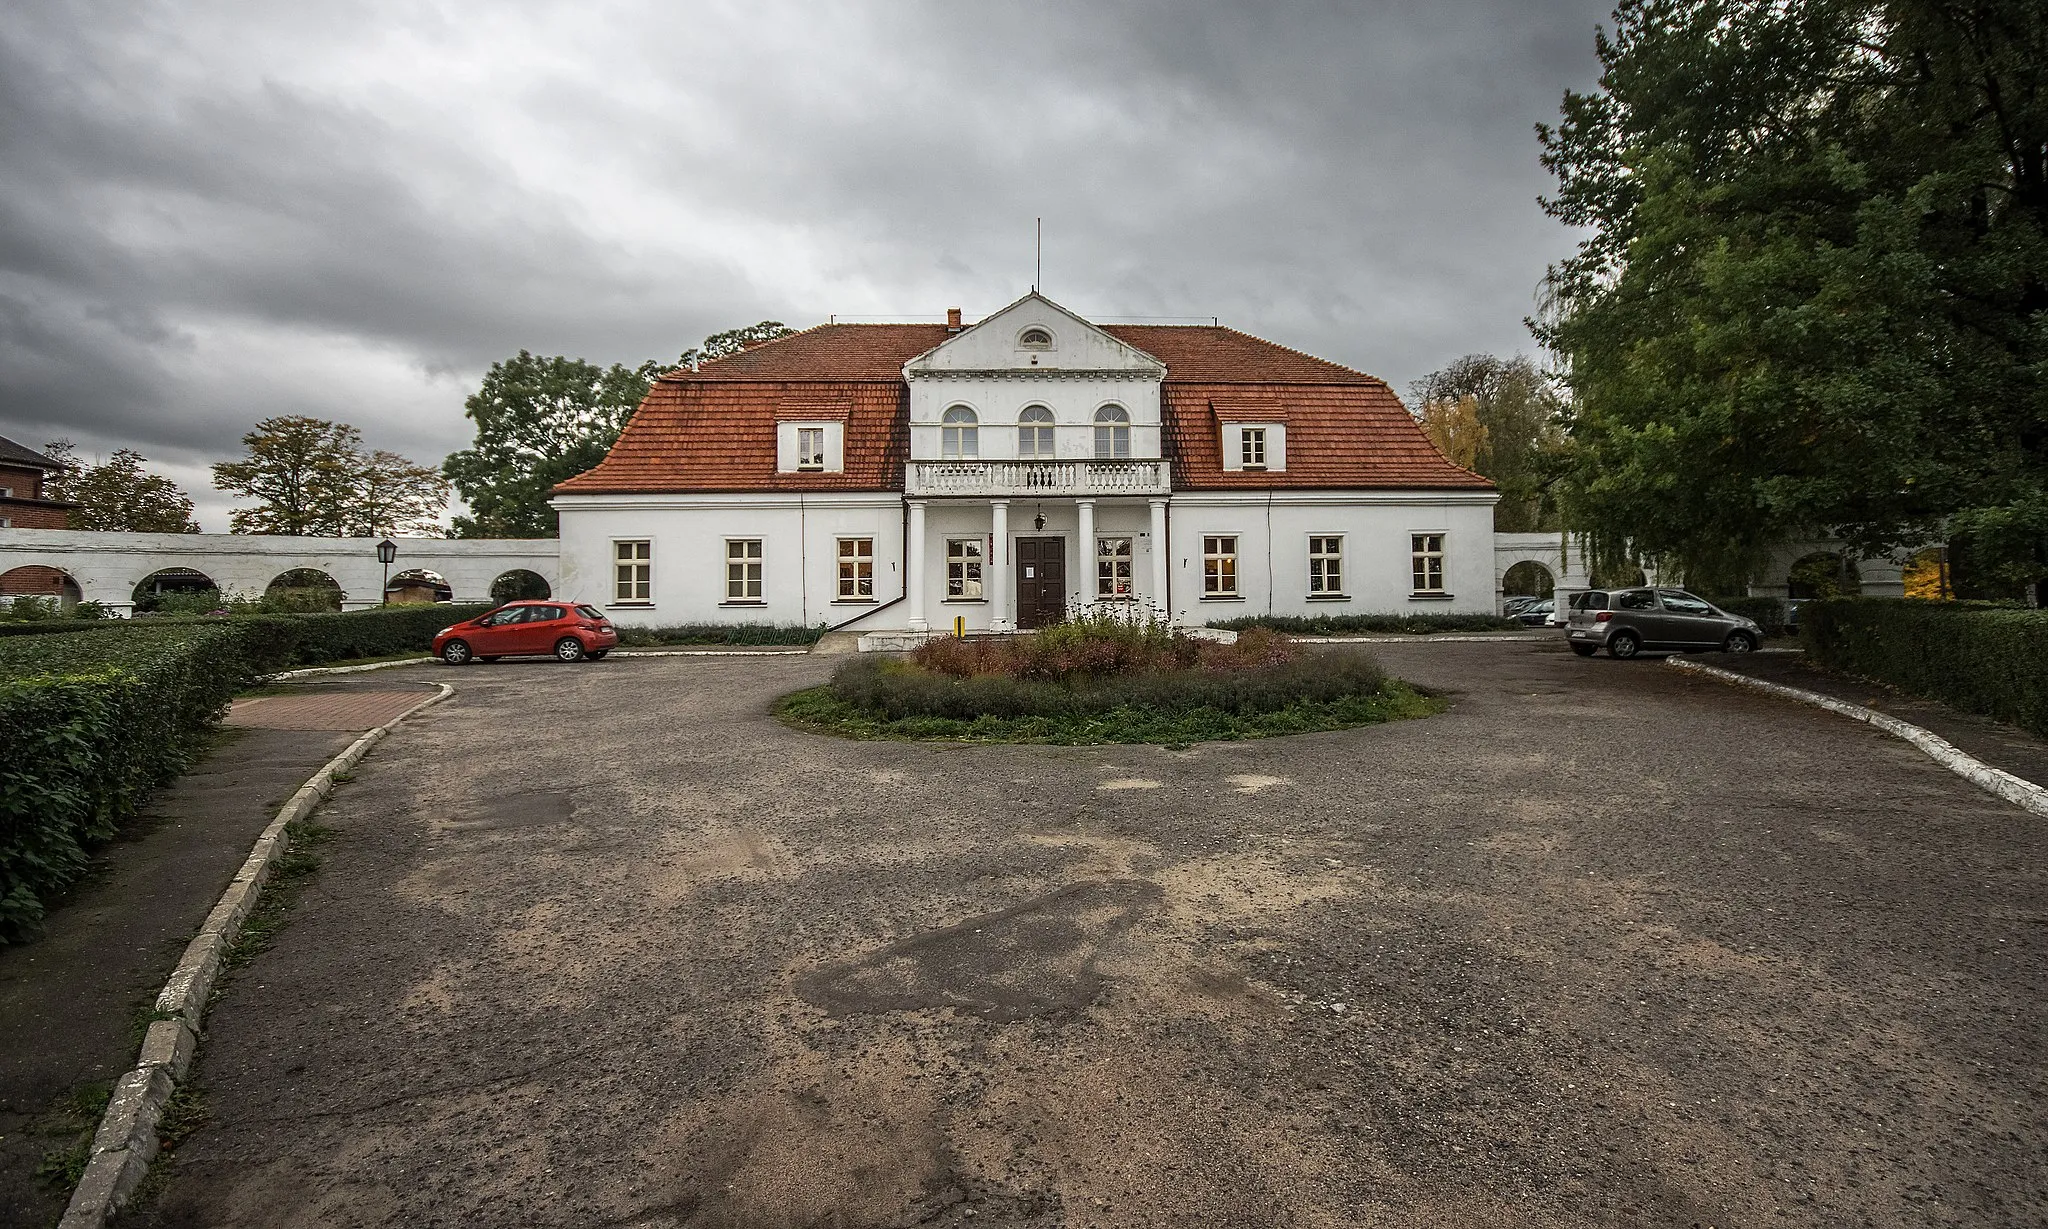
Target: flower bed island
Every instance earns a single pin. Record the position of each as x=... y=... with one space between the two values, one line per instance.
x=1105 y=681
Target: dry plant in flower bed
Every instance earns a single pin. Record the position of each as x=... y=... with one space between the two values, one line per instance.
x=1099 y=681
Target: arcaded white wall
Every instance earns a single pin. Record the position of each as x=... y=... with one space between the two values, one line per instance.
x=108 y=566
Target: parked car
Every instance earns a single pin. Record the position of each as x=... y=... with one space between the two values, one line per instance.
x=1627 y=621
x=565 y=630
x=1537 y=614
x=1516 y=605
x=1792 y=606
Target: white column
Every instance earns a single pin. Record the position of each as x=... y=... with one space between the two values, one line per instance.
x=1084 y=563
x=913 y=568
x=996 y=584
x=1159 y=569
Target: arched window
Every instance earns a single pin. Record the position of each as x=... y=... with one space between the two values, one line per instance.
x=1112 y=433
x=958 y=435
x=1034 y=434
x=1034 y=339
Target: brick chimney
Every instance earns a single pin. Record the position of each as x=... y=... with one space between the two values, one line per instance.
x=952 y=320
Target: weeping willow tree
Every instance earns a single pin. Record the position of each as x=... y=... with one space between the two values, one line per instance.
x=1810 y=296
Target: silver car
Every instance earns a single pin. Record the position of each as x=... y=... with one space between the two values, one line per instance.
x=1627 y=621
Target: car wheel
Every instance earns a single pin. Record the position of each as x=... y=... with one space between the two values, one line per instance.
x=1623 y=645
x=456 y=653
x=1584 y=650
x=1740 y=642
x=597 y=654
x=569 y=648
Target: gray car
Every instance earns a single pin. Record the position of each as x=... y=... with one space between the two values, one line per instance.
x=1627 y=621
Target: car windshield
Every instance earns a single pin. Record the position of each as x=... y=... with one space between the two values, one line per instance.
x=590 y=612
x=1683 y=603
x=1592 y=599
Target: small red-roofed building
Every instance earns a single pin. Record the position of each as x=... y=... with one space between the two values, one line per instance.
x=895 y=477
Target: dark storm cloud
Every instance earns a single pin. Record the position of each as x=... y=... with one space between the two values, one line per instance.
x=226 y=211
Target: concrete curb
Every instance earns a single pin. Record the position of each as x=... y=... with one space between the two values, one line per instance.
x=2019 y=791
x=310 y=671
x=1398 y=638
x=126 y=1140
x=710 y=653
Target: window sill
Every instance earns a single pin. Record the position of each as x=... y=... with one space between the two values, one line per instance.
x=1222 y=597
x=629 y=605
x=1431 y=597
x=744 y=601
x=1328 y=597
x=963 y=601
x=853 y=601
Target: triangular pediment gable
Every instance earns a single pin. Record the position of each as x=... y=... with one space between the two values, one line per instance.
x=1006 y=342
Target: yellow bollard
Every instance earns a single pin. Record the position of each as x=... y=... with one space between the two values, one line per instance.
x=959 y=627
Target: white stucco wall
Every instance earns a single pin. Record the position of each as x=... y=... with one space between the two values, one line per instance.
x=1273 y=535
x=688 y=533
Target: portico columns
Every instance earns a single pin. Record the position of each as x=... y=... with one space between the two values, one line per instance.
x=913 y=568
x=997 y=583
x=1084 y=553
x=1159 y=558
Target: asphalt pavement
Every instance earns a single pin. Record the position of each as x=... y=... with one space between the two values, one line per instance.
x=1603 y=944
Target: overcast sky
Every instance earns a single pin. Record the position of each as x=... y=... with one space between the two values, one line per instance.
x=215 y=212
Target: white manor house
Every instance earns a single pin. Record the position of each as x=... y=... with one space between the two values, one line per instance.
x=900 y=477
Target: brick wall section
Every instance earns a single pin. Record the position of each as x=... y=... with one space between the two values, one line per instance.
x=32 y=579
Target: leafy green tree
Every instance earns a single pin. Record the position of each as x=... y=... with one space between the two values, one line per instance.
x=312 y=477
x=538 y=421
x=542 y=420
x=1515 y=408
x=1811 y=293
x=118 y=494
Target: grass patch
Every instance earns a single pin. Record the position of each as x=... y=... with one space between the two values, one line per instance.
x=76 y=1115
x=288 y=880
x=818 y=710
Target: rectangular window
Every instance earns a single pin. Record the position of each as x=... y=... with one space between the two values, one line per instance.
x=1113 y=568
x=810 y=447
x=963 y=568
x=743 y=569
x=1219 y=566
x=856 y=569
x=633 y=576
x=1427 y=553
x=1325 y=565
x=1252 y=447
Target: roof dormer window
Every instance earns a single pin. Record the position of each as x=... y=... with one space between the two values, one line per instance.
x=1034 y=338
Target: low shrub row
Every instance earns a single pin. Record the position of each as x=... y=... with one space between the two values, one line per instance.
x=282 y=640
x=894 y=689
x=718 y=633
x=1985 y=659
x=1769 y=612
x=1348 y=625
x=88 y=724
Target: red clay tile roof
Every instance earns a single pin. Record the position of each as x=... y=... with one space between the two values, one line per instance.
x=714 y=429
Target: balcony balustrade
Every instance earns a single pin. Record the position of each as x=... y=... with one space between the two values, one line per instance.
x=1004 y=478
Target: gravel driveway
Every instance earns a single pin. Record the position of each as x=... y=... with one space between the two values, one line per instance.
x=1602 y=945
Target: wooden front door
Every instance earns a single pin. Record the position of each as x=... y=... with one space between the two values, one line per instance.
x=1041 y=581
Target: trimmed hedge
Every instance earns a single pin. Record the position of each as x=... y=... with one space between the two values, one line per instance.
x=295 y=639
x=1985 y=659
x=1769 y=612
x=1343 y=625
x=718 y=633
x=88 y=725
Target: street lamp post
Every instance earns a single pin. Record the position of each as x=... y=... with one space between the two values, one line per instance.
x=387 y=550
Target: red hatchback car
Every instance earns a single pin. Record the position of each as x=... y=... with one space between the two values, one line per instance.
x=565 y=630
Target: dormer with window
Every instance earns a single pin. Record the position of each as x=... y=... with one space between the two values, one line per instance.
x=811 y=440
x=1250 y=446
